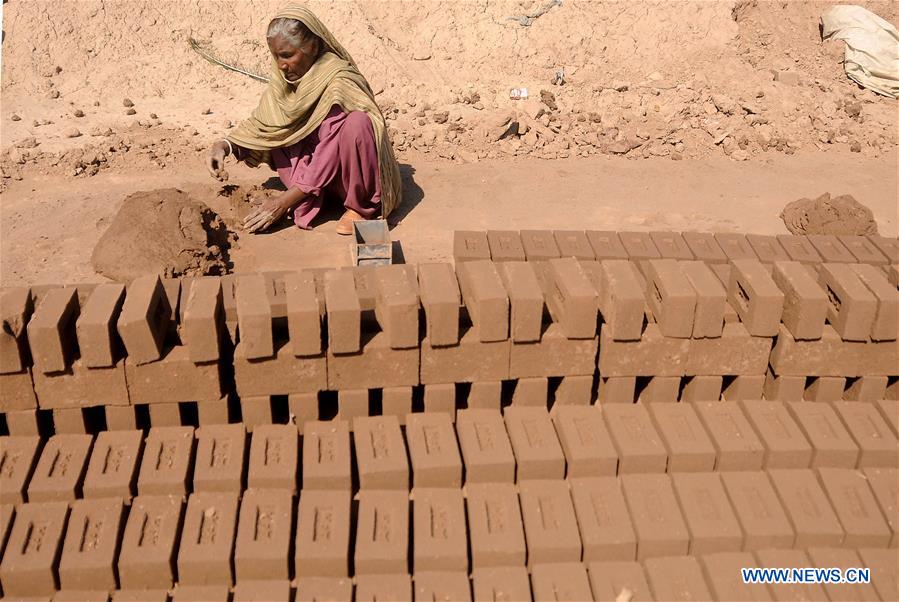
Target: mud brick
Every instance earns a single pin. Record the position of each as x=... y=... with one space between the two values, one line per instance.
x=705 y=247
x=96 y=326
x=382 y=536
x=832 y=446
x=735 y=246
x=30 y=562
x=866 y=388
x=560 y=581
x=610 y=580
x=799 y=248
x=51 y=330
x=484 y=395
x=709 y=516
x=805 y=303
x=372 y=588
x=201 y=329
x=22 y=423
x=658 y=524
x=255 y=411
x=92 y=595
x=495 y=529
x=7 y=511
x=485 y=446
x=280 y=375
x=851 y=307
x=213 y=411
x=145 y=319
x=326 y=455
x=440 y=540
x=440 y=398
x=785 y=445
x=660 y=389
x=265 y=526
x=710 y=299
x=767 y=248
x=525 y=298
x=790 y=591
x=744 y=388
x=825 y=558
x=166 y=462
x=201 y=593
x=554 y=355
x=470 y=246
x=486 y=299
x=69 y=421
x=174 y=377
x=807 y=507
x=219 y=464
x=702 y=388
x=442 y=585
x=888 y=246
x=18 y=457
x=470 y=361
x=531 y=392
x=621 y=300
x=78 y=386
x=877 y=444
x=273 y=457
x=505 y=245
x=737 y=447
x=606 y=245
x=18 y=391
x=639 y=445
x=574 y=243
x=671 y=245
x=856 y=507
x=352 y=403
x=638 y=245
x=304 y=314
x=603 y=520
x=783 y=388
x=570 y=297
x=303 y=407
x=653 y=355
x=112 y=470
x=830 y=248
x=263 y=591
x=539 y=245
x=433 y=450
x=396 y=306
x=550 y=526
x=146 y=558
x=884 y=483
x=16 y=308
x=862 y=249
x=755 y=296
x=889 y=409
x=344 y=312
x=828 y=356
x=91 y=545
x=229 y=301
x=376 y=366
x=320 y=589
x=825 y=388
x=323 y=534
x=689 y=447
x=60 y=470
x=441 y=299
x=254 y=317
x=677 y=579
x=876 y=358
x=380 y=453
x=534 y=443
x=884 y=575
x=617 y=389
x=886 y=319
x=585 y=441
x=574 y=391
x=164 y=414
x=761 y=515
x=506 y=583
x=204 y=556
x=722 y=573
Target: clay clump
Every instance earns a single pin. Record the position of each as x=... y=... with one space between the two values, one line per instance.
x=826 y=215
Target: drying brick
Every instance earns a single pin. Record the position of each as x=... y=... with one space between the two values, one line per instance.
x=825 y=558
x=828 y=356
x=671 y=297
x=883 y=571
x=51 y=330
x=570 y=297
x=201 y=325
x=304 y=314
x=80 y=386
x=711 y=299
x=486 y=299
x=60 y=469
x=166 y=462
x=709 y=516
x=442 y=585
x=219 y=463
x=382 y=534
x=121 y=418
x=806 y=505
x=639 y=445
x=502 y=583
x=609 y=579
x=396 y=305
x=722 y=573
x=638 y=245
x=31 y=559
x=174 y=377
x=470 y=361
x=737 y=447
x=660 y=389
x=805 y=303
x=830 y=248
x=525 y=299
x=755 y=297
x=789 y=591
x=534 y=442
x=164 y=414
x=762 y=517
x=441 y=299
x=18 y=457
x=96 y=326
x=886 y=318
x=145 y=319
x=372 y=588
x=574 y=243
x=653 y=355
x=851 y=305
x=889 y=409
x=877 y=443
x=658 y=523
x=323 y=534
x=352 y=403
x=264 y=530
x=605 y=526
x=785 y=445
x=554 y=355
x=585 y=441
x=672 y=578
x=485 y=446
x=671 y=245
x=496 y=533
x=560 y=581
x=16 y=307
x=866 y=388
x=539 y=245
x=735 y=246
x=832 y=446
x=284 y=374
x=274 y=453
x=767 y=248
x=18 y=392
x=396 y=401
x=621 y=300
x=112 y=469
x=705 y=247
x=783 y=388
x=825 y=388
x=606 y=245
x=91 y=545
x=855 y=506
x=380 y=453
x=470 y=246
x=433 y=450
x=888 y=246
x=207 y=539
x=884 y=483
x=254 y=317
x=344 y=312
x=326 y=455
x=574 y=390
x=531 y=392
x=735 y=352
x=69 y=421
x=799 y=248
x=550 y=526
x=689 y=447
x=276 y=590
x=440 y=398
x=701 y=388
x=505 y=245
x=438 y=527
x=617 y=389
x=862 y=249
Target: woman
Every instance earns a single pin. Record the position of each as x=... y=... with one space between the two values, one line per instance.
x=319 y=126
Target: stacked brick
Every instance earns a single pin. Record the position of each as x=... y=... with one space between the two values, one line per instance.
x=580 y=503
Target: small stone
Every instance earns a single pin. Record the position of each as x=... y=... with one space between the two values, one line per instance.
x=441 y=117
x=54 y=93
x=855 y=146
x=153 y=116
x=96 y=103
x=78 y=113
x=15 y=117
x=72 y=133
x=127 y=102
x=206 y=111
x=853 y=108
x=130 y=111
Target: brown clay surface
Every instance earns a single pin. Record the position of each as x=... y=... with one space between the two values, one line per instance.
x=689 y=447
x=884 y=484
x=30 y=562
x=372 y=588
x=876 y=442
x=262 y=591
x=324 y=589
x=91 y=544
x=831 y=444
x=501 y=584
x=854 y=503
x=785 y=445
x=381 y=458
x=219 y=463
x=442 y=585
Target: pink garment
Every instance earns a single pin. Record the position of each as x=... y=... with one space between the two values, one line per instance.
x=338 y=160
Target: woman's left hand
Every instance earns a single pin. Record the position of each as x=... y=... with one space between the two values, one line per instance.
x=266 y=215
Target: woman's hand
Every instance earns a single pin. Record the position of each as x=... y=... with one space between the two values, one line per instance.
x=215 y=161
x=272 y=210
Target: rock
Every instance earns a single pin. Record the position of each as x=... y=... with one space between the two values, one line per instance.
x=126 y=102
x=620 y=86
x=98 y=131
x=855 y=146
x=725 y=104
x=153 y=116
x=206 y=111
x=750 y=108
x=789 y=78
x=441 y=117
x=54 y=94
x=78 y=113
x=130 y=111
x=72 y=133
x=739 y=155
x=853 y=108
x=15 y=117
x=96 y=103
x=29 y=142
x=507 y=131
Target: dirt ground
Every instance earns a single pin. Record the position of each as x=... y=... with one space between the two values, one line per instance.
x=680 y=115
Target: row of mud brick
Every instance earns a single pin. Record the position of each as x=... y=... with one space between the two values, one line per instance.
x=540 y=493
x=197 y=340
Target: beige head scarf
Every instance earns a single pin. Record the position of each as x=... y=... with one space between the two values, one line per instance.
x=288 y=112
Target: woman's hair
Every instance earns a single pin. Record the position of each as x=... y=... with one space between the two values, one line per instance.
x=292 y=30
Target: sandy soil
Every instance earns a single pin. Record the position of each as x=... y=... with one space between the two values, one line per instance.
x=674 y=115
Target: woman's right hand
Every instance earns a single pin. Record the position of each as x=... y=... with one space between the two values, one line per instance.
x=215 y=161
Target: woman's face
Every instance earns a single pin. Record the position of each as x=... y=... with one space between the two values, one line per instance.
x=292 y=61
